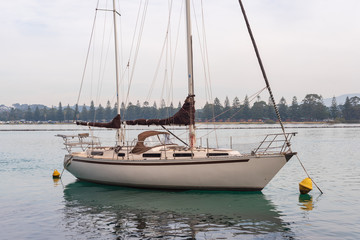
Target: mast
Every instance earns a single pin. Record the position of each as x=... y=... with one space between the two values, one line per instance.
x=119 y=130
x=192 y=137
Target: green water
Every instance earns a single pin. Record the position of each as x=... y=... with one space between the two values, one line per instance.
x=33 y=206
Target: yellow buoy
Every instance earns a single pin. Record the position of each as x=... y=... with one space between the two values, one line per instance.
x=56 y=174
x=305 y=186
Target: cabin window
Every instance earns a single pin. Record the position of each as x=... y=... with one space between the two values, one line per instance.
x=216 y=154
x=183 y=154
x=121 y=154
x=152 y=155
x=97 y=153
x=160 y=139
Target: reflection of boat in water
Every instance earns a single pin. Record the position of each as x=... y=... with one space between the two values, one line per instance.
x=135 y=213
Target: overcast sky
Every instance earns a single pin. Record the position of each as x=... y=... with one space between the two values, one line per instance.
x=306 y=46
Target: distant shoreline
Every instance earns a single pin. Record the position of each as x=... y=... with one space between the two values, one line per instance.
x=200 y=123
x=200 y=126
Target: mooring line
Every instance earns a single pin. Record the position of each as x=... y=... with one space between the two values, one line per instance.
x=302 y=165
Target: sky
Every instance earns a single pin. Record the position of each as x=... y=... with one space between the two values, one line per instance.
x=306 y=47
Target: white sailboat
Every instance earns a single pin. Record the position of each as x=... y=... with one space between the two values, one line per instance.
x=162 y=164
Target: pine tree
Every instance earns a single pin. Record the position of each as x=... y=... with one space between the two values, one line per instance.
x=52 y=114
x=245 y=112
x=162 y=110
x=76 y=113
x=84 y=115
x=12 y=115
x=283 y=109
x=60 y=113
x=154 y=111
x=100 y=113
x=91 y=114
x=28 y=114
x=44 y=114
x=108 y=116
x=271 y=110
x=347 y=109
x=355 y=103
x=294 y=110
x=235 y=112
x=137 y=110
x=69 y=115
x=218 y=109
x=37 y=114
x=334 y=109
x=226 y=115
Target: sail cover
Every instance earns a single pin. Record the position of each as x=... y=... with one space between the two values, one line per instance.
x=115 y=123
x=182 y=117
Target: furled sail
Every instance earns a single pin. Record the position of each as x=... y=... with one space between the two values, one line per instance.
x=182 y=117
x=115 y=123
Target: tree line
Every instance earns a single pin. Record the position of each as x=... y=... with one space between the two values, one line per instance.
x=311 y=108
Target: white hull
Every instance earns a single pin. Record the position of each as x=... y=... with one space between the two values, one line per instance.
x=217 y=173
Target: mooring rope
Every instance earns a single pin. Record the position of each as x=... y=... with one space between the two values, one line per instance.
x=302 y=165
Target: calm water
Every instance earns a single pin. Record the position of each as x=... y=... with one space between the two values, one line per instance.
x=33 y=206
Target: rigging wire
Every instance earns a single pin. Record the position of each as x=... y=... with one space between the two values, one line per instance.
x=164 y=85
x=202 y=46
x=87 y=58
x=127 y=67
x=177 y=40
x=99 y=87
x=156 y=71
x=170 y=96
x=137 y=48
x=168 y=58
x=105 y=63
x=168 y=53
x=206 y=51
x=251 y=99
x=121 y=60
x=205 y=62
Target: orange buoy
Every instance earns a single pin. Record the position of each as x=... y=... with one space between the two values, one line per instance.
x=305 y=186
x=56 y=174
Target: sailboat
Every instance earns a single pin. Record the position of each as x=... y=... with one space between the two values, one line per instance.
x=154 y=161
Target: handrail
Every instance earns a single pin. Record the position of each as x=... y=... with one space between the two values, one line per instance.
x=270 y=139
x=77 y=141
